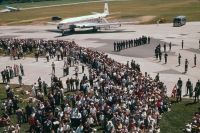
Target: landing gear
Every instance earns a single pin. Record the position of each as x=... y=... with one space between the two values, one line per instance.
x=95 y=29
x=72 y=30
x=63 y=32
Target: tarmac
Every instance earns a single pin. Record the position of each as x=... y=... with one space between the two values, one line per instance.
x=103 y=41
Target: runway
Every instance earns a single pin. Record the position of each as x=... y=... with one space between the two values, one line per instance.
x=144 y=55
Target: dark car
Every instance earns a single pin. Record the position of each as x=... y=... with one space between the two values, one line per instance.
x=56 y=18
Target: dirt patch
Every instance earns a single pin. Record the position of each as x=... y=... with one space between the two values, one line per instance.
x=135 y=20
x=144 y=19
x=117 y=19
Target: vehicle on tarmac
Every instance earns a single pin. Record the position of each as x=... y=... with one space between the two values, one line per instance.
x=179 y=21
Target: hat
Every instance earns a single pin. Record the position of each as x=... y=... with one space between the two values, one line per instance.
x=109 y=122
x=33 y=115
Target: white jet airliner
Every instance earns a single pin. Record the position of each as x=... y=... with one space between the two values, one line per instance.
x=10 y=9
x=95 y=21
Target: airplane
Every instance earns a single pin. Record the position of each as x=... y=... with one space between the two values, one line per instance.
x=10 y=9
x=95 y=21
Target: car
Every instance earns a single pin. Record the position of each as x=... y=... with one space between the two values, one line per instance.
x=179 y=21
x=56 y=18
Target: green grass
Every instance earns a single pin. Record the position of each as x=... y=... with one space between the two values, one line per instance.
x=41 y=3
x=1 y=52
x=24 y=127
x=181 y=113
x=129 y=9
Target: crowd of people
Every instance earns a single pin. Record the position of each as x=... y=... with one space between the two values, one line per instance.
x=117 y=97
x=10 y=72
x=121 y=45
x=18 y=48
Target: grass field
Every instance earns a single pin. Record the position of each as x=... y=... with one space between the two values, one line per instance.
x=42 y=3
x=175 y=120
x=129 y=9
x=17 y=91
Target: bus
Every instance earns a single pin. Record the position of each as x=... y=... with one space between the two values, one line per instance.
x=179 y=21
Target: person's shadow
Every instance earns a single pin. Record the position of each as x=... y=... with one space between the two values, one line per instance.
x=184 y=72
x=190 y=103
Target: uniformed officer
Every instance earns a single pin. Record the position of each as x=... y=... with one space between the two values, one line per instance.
x=160 y=55
x=165 y=58
x=188 y=86
x=182 y=44
x=133 y=64
x=195 y=60
x=170 y=46
x=197 y=91
x=179 y=90
x=149 y=39
x=191 y=91
x=115 y=46
x=156 y=52
x=199 y=43
x=164 y=47
x=53 y=68
x=186 y=65
x=179 y=59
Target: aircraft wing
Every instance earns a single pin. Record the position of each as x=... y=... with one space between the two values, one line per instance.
x=4 y=10
x=100 y=25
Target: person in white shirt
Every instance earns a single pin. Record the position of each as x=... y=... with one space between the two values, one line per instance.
x=90 y=120
x=79 y=129
x=66 y=127
x=33 y=90
x=60 y=129
x=93 y=112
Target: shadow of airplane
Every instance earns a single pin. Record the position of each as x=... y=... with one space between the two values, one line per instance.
x=68 y=33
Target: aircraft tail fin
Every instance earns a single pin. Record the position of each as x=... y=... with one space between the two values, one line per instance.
x=106 y=10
